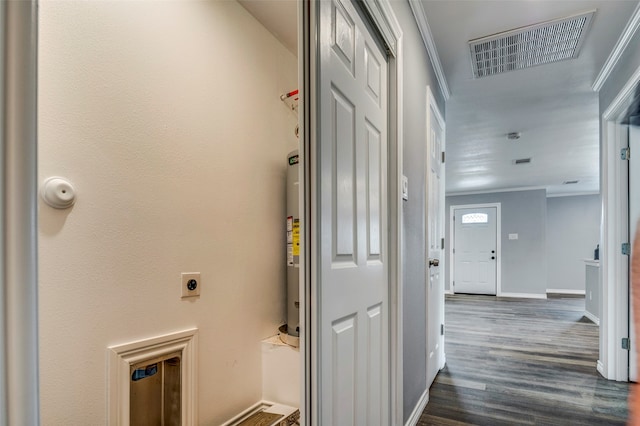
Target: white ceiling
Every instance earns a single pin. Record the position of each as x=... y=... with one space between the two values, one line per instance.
x=553 y=106
x=280 y=17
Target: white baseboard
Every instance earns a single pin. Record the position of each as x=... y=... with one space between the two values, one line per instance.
x=524 y=295
x=565 y=291
x=246 y=413
x=266 y=406
x=592 y=317
x=600 y=368
x=419 y=408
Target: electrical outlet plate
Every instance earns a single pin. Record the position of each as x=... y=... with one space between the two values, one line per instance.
x=186 y=277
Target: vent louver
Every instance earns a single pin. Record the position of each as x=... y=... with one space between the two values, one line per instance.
x=526 y=47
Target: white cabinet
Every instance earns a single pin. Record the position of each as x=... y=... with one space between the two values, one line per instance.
x=592 y=290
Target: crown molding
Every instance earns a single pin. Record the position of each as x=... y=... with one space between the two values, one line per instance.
x=492 y=191
x=423 y=25
x=572 y=194
x=615 y=108
x=618 y=50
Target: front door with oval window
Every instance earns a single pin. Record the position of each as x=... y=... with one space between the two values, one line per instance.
x=475 y=250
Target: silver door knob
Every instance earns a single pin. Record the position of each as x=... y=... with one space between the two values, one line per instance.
x=433 y=262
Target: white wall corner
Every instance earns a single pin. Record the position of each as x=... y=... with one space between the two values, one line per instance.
x=423 y=25
x=618 y=50
x=418 y=409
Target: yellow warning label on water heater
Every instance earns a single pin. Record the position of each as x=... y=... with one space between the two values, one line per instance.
x=296 y=237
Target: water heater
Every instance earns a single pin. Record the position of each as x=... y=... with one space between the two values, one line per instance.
x=293 y=245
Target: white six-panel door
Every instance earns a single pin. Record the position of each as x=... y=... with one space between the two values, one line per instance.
x=435 y=233
x=353 y=285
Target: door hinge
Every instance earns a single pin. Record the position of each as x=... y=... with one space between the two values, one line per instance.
x=625 y=153
x=443 y=156
x=442 y=329
x=626 y=249
x=442 y=243
x=626 y=343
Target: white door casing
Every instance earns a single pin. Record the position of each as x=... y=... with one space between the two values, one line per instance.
x=634 y=217
x=353 y=284
x=613 y=362
x=19 y=388
x=475 y=250
x=435 y=234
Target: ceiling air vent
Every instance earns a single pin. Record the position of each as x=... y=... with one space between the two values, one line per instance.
x=529 y=46
x=522 y=161
x=569 y=182
x=513 y=136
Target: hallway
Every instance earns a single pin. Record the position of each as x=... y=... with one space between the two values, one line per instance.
x=521 y=361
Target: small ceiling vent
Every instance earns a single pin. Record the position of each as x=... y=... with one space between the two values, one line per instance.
x=522 y=161
x=513 y=136
x=570 y=182
x=526 y=47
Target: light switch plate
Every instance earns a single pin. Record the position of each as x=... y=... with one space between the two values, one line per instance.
x=405 y=188
x=513 y=236
x=189 y=289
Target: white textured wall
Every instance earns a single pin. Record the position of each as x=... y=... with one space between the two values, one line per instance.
x=166 y=117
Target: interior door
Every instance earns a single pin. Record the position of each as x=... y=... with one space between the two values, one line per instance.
x=474 y=250
x=435 y=233
x=634 y=217
x=353 y=277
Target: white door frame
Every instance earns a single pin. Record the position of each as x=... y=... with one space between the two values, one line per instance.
x=19 y=393
x=385 y=22
x=498 y=207
x=614 y=322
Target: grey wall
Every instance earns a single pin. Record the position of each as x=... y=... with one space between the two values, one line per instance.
x=524 y=261
x=418 y=74
x=573 y=230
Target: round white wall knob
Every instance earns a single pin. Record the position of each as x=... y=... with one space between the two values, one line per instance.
x=58 y=192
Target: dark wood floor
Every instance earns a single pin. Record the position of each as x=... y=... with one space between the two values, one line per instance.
x=522 y=361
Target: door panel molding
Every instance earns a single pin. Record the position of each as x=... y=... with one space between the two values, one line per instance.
x=452 y=210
